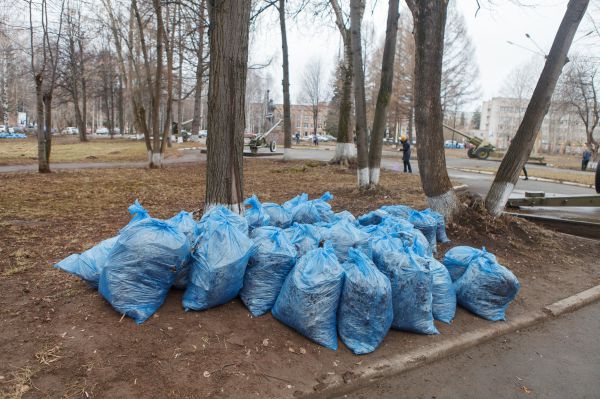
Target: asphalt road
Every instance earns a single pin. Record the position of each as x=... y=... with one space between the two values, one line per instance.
x=480 y=183
x=558 y=359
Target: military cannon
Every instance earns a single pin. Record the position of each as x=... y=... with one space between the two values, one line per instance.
x=479 y=148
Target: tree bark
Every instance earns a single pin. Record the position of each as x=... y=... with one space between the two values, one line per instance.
x=429 y=20
x=357 y=8
x=197 y=118
x=43 y=164
x=228 y=33
x=287 y=117
x=524 y=140
x=83 y=127
x=345 y=150
x=385 y=91
x=155 y=160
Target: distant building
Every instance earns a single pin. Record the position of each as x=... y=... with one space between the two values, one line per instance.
x=301 y=117
x=501 y=116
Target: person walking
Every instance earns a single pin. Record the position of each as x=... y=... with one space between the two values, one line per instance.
x=297 y=138
x=585 y=159
x=315 y=139
x=525 y=173
x=406 y=154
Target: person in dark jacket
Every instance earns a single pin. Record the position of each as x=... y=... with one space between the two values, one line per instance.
x=406 y=154
x=585 y=159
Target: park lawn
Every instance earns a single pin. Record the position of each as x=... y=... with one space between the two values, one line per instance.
x=59 y=338
x=70 y=149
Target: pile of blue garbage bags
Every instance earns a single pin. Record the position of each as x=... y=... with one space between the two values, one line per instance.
x=327 y=275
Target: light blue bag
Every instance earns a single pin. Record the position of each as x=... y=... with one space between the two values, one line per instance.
x=310 y=296
x=141 y=267
x=366 y=311
x=219 y=261
x=268 y=268
x=88 y=265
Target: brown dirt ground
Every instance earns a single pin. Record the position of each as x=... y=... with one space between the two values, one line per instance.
x=59 y=338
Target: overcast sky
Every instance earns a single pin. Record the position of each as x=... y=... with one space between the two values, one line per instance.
x=490 y=32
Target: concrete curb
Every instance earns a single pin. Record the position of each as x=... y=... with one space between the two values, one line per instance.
x=543 y=179
x=396 y=364
x=574 y=302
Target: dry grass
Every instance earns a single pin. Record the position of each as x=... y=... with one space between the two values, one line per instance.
x=48 y=355
x=48 y=216
x=69 y=149
x=19 y=384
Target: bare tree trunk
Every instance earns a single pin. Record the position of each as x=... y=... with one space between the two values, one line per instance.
x=121 y=106
x=83 y=127
x=197 y=118
x=43 y=164
x=357 y=8
x=169 y=41
x=524 y=140
x=228 y=33
x=287 y=117
x=345 y=150
x=429 y=23
x=409 y=129
x=385 y=92
x=180 y=74
x=47 y=99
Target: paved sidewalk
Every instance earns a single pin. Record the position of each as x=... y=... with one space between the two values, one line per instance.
x=557 y=359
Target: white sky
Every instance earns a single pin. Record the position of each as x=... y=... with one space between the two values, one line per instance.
x=489 y=31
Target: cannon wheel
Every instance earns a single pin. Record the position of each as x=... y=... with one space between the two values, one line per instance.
x=273 y=146
x=471 y=152
x=482 y=153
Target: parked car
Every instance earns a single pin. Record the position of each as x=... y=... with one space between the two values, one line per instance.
x=330 y=137
x=70 y=130
x=3 y=129
x=453 y=144
x=203 y=133
x=102 y=131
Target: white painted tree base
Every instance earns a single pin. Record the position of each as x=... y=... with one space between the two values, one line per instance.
x=287 y=154
x=497 y=197
x=155 y=159
x=446 y=204
x=363 y=177
x=374 y=176
x=344 y=152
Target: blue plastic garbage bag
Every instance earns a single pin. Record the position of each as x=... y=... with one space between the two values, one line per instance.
x=344 y=235
x=278 y=215
x=444 y=296
x=305 y=237
x=141 y=267
x=294 y=202
x=219 y=263
x=314 y=211
x=366 y=311
x=412 y=290
x=137 y=212
x=440 y=229
x=457 y=259
x=345 y=215
x=374 y=217
x=267 y=269
x=426 y=224
x=486 y=288
x=255 y=215
x=310 y=296
x=221 y=214
x=405 y=231
x=185 y=222
x=399 y=211
x=88 y=265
